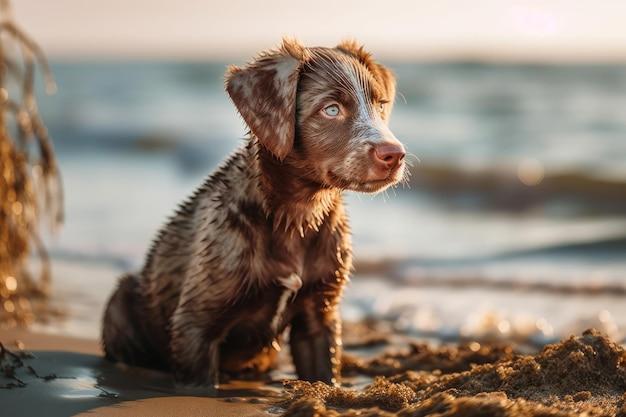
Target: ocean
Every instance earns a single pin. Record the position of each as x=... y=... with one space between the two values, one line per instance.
x=514 y=224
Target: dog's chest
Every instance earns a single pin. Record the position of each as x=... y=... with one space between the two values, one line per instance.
x=281 y=255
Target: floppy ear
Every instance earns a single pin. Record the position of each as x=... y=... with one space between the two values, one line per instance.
x=382 y=74
x=264 y=92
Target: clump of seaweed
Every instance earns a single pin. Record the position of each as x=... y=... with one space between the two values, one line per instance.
x=13 y=362
x=422 y=357
x=30 y=185
x=583 y=375
x=366 y=333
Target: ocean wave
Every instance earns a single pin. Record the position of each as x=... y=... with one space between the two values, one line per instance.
x=522 y=187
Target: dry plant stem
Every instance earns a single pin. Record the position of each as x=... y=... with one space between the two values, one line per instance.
x=30 y=185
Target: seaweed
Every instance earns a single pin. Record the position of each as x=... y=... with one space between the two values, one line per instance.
x=30 y=182
x=422 y=357
x=11 y=362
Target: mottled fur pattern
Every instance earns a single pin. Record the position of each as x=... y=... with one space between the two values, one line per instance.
x=264 y=243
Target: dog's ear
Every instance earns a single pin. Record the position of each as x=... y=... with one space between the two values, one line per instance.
x=382 y=74
x=264 y=92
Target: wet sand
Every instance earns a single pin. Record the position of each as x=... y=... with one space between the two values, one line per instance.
x=68 y=376
x=385 y=374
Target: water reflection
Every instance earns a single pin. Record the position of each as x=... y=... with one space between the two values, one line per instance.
x=83 y=382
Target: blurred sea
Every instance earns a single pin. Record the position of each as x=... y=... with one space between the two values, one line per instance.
x=514 y=226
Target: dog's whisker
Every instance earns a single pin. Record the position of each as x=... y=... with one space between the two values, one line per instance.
x=412 y=155
x=403 y=97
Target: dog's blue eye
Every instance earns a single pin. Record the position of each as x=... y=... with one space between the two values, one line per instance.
x=332 y=110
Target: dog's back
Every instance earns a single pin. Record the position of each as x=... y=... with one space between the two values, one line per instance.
x=127 y=333
x=138 y=316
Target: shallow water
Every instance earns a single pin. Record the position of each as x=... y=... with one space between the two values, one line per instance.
x=85 y=382
x=134 y=138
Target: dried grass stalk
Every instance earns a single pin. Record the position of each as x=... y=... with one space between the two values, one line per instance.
x=30 y=184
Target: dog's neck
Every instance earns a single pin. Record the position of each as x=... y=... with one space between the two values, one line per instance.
x=295 y=204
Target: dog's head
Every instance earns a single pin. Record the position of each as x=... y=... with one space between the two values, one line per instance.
x=324 y=111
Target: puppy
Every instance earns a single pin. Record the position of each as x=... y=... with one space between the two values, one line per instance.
x=264 y=243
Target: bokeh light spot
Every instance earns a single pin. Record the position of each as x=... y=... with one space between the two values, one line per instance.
x=530 y=172
x=11 y=283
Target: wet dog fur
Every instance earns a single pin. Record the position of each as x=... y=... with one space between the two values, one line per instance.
x=264 y=243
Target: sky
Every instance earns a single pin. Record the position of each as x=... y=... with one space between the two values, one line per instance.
x=528 y=30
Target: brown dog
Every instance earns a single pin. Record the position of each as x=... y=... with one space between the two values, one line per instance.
x=264 y=243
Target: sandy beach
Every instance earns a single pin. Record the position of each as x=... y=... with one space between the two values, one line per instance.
x=583 y=375
x=384 y=375
x=474 y=283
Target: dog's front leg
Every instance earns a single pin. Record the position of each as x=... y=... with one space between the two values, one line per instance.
x=315 y=340
x=195 y=343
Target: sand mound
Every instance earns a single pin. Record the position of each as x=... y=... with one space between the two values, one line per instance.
x=585 y=374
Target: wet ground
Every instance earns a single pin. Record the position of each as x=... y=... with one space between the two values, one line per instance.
x=385 y=374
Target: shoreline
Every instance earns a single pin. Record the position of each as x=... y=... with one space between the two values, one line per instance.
x=71 y=378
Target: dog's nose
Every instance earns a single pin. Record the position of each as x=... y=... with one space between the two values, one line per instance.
x=389 y=154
